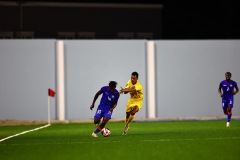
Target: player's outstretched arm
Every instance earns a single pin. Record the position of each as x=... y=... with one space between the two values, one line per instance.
x=236 y=91
x=127 y=90
x=220 y=91
x=122 y=90
x=95 y=98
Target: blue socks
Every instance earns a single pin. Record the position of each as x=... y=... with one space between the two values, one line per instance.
x=98 y=129
x=229 y=116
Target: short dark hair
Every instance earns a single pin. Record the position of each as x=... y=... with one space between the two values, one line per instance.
x=113 y=83
x=135 y=74
x=230 y=74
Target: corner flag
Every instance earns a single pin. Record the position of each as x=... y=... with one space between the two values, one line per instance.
x=51 y=92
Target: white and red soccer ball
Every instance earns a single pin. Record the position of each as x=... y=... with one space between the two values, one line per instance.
x=106 y=132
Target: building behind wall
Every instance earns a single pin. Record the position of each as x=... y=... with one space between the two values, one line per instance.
x=80 y=20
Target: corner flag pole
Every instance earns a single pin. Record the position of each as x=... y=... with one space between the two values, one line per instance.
x=51 y=93
x=49 y=110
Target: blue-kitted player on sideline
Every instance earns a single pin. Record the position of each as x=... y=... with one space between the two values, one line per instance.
x=227 y=92
x=107 y=104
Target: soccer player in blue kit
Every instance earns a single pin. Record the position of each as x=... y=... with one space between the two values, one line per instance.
x=108 y=102
x=227 y=92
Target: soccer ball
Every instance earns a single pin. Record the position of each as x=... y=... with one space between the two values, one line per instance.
x=105 y=132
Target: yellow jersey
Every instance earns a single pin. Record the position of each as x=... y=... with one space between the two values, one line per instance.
x=138 y=95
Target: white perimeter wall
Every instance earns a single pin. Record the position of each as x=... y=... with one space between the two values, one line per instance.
x=187 y=75
x=27 y=70
x=90 y=65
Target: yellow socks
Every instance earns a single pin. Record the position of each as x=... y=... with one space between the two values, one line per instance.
x=130 y=119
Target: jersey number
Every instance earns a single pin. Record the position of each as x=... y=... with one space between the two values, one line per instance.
x=99 y=112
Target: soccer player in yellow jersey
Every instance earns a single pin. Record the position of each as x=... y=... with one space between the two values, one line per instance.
x=134 y=104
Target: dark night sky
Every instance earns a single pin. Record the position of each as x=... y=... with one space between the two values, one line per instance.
x=201 y=20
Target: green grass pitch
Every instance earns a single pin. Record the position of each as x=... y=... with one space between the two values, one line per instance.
x=176 y=140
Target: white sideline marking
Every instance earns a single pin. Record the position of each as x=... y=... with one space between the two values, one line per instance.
x=24 y=132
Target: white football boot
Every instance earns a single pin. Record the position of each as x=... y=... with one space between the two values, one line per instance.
x=228 y=124
x=94 y=135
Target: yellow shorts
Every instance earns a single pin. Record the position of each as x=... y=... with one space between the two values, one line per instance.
x=131 y=103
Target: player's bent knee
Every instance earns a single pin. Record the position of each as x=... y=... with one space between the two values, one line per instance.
x=96 y=121
x=133 y=112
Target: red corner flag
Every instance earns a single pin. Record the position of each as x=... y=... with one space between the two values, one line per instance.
x=51 y=92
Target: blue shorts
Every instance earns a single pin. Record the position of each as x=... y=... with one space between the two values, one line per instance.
x=103 y=111
x=227 y=102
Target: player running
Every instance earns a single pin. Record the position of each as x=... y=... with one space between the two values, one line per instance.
x=227 y=92
x=134 y=103
x=107 y=104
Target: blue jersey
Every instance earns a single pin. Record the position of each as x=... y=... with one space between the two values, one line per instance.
x=108 y=98
x=228 y=87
